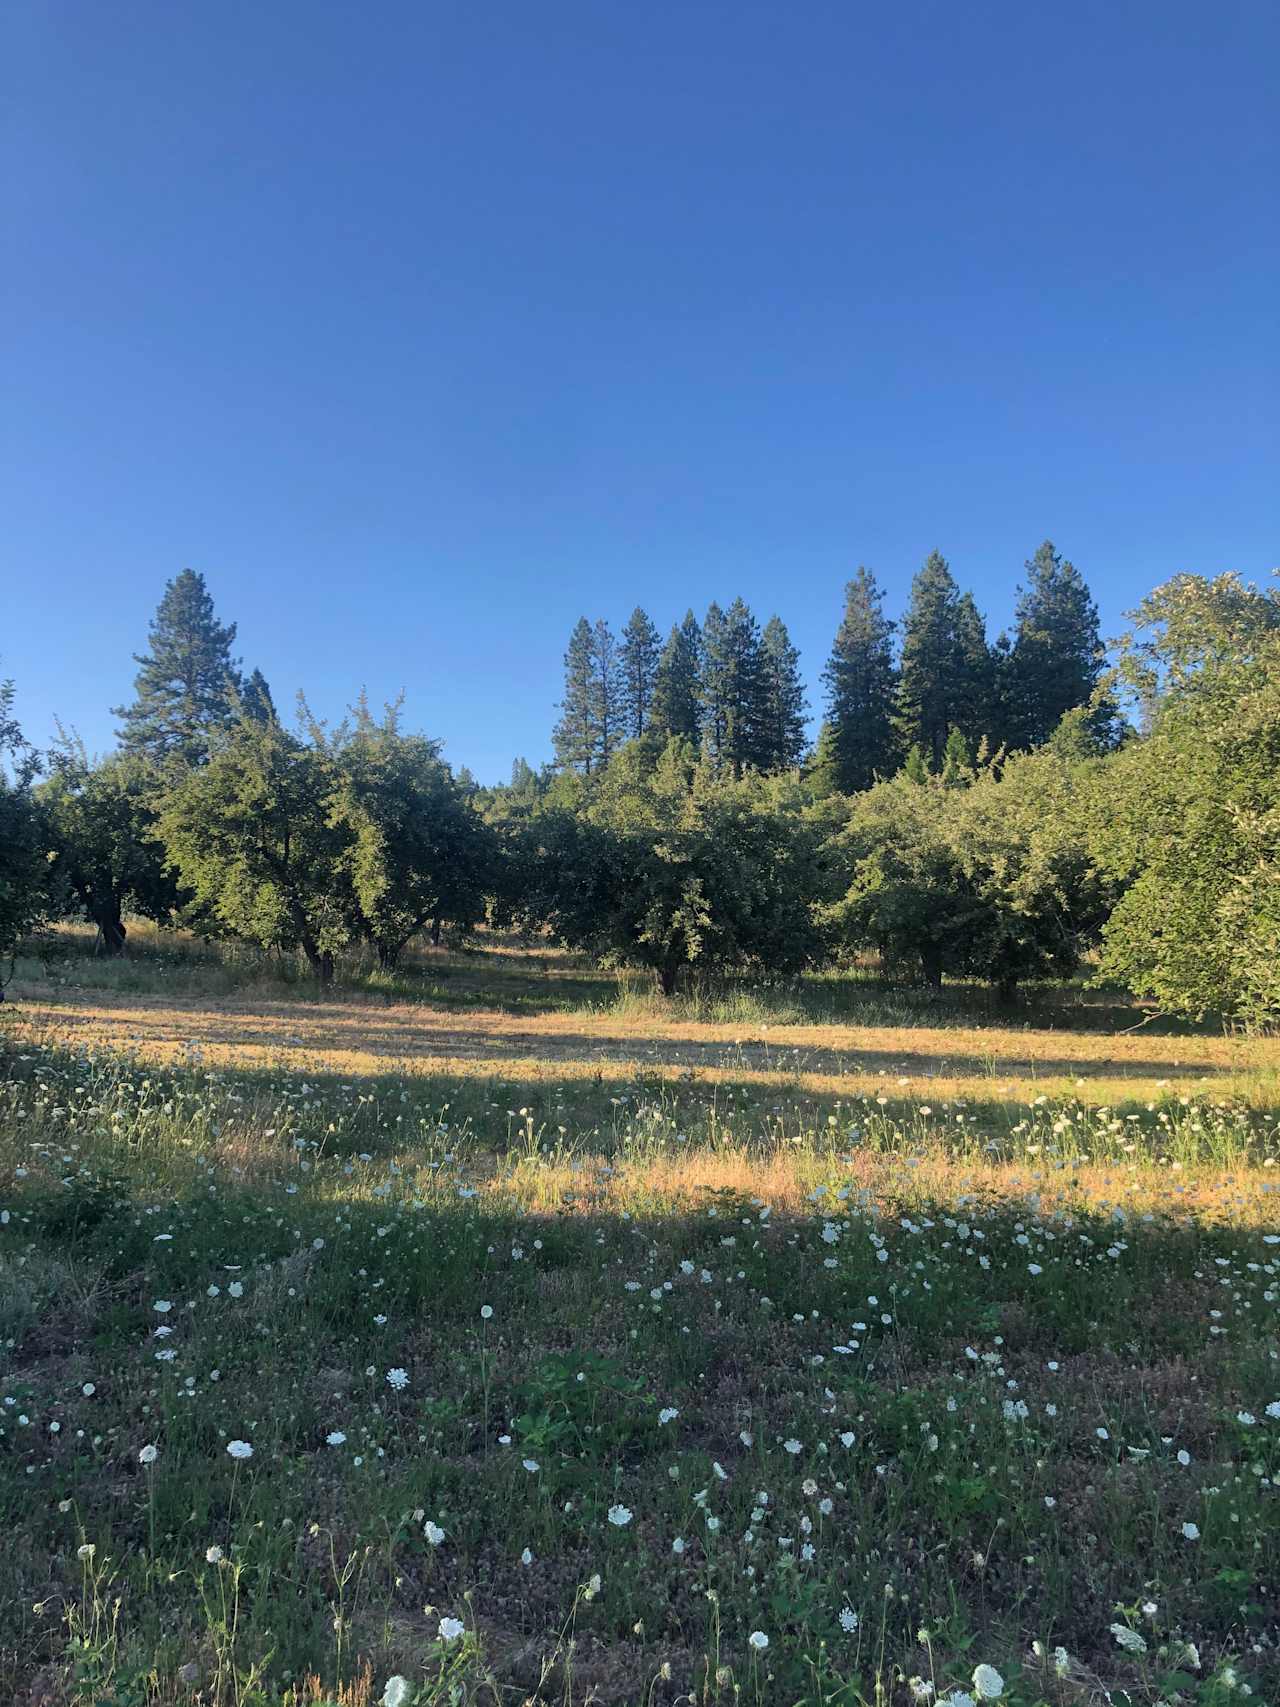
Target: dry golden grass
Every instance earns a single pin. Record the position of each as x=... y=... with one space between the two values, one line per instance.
x=354 y=1035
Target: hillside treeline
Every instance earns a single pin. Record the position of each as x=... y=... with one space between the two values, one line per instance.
x=1003 y=831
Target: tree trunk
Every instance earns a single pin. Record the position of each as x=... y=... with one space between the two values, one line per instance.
x=436 y=925
x=389 y=955
x=668 y=976
x=1007 y=990
x=931 y=966
x=112 y=930
x=320 y=963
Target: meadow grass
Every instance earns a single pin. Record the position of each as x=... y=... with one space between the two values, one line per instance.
x=566 y=1370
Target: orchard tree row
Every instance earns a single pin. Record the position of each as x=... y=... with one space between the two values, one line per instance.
x=1157 y=858
x=734 y=689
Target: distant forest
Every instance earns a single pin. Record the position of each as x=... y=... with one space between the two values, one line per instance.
x=969 y=810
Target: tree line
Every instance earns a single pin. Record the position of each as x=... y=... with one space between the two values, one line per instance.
x=895 y=694
x=1150 y=848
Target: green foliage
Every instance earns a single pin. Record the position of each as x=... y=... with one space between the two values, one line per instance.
x=1055 y=662
x=22 y=870
x=99 y=824
x=256 y=838
x=783 y=711
x=1188 y=819
x=676 y=704
x=731 y=688
x=418 y=850
x=592 y=715
x=947 y=671
x=861 y=683
x=904 y=893
x=638 y=662
x=667 y=866
x=187 y=682
x=972 y=873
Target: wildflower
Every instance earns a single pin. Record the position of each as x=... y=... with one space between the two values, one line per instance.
x=148 y=1454
x=397 y=1692
x=668 y=1414
x=88 y=1389
x=397 y=1380
x=848 y=1620
x=532 y=1465
x=433 y=1532
x=988 y=1683
x=1184 y=1457
x=526 y=1558
x=620 y=1515
x=86 y=1550
x=1128 y=1639
x=451 y=1629
x=791 y=1446
x=335 y=1438
x=758 y=1640
x=162 y=1306
x=1246 y=1418
x=486 y=1312
x=213 y=1554
x=678 y=1545
x=239 y=1449
x=1191 y=1531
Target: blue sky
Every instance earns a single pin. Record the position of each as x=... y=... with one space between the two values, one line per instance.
x=422 y=329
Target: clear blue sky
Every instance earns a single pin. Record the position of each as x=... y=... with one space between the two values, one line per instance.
x=422 y=329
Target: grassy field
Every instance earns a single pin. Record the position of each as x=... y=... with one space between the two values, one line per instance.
x=498 y=1328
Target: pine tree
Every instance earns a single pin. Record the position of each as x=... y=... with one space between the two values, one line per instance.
x=783 y=706
x=1055 y=659
x=916 y=767
x=861 y=683
x=957 y=761
x=591 y=726
x=256 y=700
x=676 y=709
x=186 y=685
x=575 y=735
x=638 y=655
x=609 y=700
x=731 y=690
x=822 y=768
x=977 y=712
x=946 y=672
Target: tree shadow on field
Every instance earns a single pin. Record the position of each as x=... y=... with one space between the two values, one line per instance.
x=380 y=1040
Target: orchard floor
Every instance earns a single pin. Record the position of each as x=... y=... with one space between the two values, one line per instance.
x=573 y=1345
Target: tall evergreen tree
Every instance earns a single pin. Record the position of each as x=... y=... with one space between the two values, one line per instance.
x=256 y=700
x=945 y=677
x=676 y=707
x=780 y=737
x=609 y=699
x=591 y=725
x=638 y=655
x=731 y=687
x=1055 y=659
x=187 y=681
x=977 y=695
x=575 y=735
x=861 y=684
